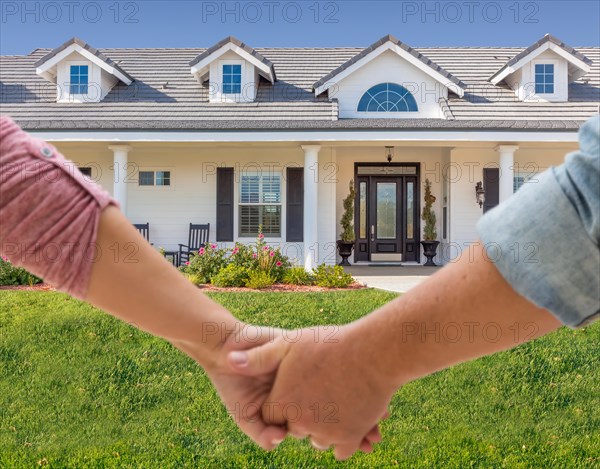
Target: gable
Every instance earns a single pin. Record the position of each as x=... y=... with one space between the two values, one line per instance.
x=388 y=67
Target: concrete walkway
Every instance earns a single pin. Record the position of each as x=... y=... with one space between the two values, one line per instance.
x=391 y=278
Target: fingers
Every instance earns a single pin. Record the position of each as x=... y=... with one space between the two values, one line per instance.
x=268 y=437
x=374 y=435
x=258 y=360
x=343 y=452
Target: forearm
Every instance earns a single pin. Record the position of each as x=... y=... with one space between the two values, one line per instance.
x=149 y=293
x=464 y=311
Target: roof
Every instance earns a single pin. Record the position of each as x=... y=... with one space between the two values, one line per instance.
x=547 y=39
x=84 y=45
x=165 y=95
x=385 y=39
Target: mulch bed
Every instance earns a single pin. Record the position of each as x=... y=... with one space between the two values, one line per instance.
x=211 y=288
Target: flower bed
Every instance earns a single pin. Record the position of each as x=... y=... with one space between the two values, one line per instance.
x=257 y=266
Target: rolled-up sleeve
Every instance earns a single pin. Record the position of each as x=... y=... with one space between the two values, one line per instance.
x=546 y=237
x=49 y=212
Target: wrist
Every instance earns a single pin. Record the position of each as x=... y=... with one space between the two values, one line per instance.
x=209 y=346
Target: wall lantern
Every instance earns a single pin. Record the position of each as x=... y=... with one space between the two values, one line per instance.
x=389 y=151
x=479 y=194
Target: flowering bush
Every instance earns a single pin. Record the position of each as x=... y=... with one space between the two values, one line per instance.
x=271 y=260
x=206 y=263
x=12 y=275
x=233 y=267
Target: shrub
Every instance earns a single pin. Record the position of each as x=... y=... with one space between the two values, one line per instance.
x=298 y=276
x=196 y=279
x=206 y=263
x=242 y=255
x=260 y=279
x=270 y=260
x=231 y=276
x=332 y=276
x=12 y=275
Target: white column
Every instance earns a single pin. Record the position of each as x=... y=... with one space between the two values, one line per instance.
x=311 y=189
x=120 y=174
x=507 y=170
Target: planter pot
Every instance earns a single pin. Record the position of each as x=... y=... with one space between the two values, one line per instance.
x=344 y=250
x=429 y=250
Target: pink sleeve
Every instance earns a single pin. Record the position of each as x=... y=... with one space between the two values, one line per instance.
x=49 y=211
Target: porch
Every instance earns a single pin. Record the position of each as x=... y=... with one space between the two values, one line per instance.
x=191 y=196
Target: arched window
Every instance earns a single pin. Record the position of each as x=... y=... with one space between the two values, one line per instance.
x=387 y=97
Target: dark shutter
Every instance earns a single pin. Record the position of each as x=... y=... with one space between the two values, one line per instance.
x=295 y=204
x=491 y=185
x=225 y=204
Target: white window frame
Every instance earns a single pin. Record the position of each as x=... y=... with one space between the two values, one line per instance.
x=79 y=97
x=267 y=171
x=533 y=96
x=154 y=186
x=235 y=97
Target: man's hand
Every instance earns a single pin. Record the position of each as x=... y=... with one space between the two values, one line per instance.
x=242 y=394
x=324 y=389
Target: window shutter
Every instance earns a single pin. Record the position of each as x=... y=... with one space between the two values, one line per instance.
x=491 y=185
x=225 y=204
x=295 y=205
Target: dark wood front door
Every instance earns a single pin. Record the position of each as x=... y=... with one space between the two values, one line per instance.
x=386 y=214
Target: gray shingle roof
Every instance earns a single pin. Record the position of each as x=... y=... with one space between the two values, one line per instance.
x=165 y=95
x=240 y=44
x=374 y=46
x=86 y=46
x=541 y=42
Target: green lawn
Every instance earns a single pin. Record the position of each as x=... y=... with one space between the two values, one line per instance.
x=81 y=389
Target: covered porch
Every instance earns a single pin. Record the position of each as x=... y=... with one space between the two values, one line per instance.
x=312 y=211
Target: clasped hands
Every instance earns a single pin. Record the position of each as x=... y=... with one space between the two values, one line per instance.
x=314 y=383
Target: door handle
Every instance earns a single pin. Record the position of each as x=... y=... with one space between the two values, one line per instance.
x=372 y=232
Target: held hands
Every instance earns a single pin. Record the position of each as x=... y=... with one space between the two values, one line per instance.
x=326 y=390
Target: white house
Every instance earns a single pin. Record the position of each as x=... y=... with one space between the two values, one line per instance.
x=241 y=137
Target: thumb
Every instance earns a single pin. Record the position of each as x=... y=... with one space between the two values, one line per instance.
x=259 y=360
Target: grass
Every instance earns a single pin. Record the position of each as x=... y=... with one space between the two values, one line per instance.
x=81 y=389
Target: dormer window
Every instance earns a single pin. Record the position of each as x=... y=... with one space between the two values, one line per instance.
x=78 y=83
x=232 y=79
x=544 y=78
x=81 y=73
x=232 y=71
x=543 y=71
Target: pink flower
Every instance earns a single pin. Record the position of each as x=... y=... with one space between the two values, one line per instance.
x=254 y=255
x=201 y=251
x=261 y=236
x=266 y=248
x=278 y=263
x=272 y=253
x=213 y=246
x=187 y=263
x=235 y=251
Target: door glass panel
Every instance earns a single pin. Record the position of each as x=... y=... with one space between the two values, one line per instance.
x=386 y=210
x=410 y=211
x=362 y=210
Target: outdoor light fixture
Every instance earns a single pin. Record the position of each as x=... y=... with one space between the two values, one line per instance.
x=479 y=194
x=390 y=153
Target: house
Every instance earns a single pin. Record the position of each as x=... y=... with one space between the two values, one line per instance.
x=243 y=137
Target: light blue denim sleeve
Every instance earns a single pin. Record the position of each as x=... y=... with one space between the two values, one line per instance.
x=545 y=239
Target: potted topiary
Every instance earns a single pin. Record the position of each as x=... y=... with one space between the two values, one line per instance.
x=429 y=242
x=346 y=242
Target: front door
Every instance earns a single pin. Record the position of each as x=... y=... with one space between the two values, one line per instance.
x=386 y=214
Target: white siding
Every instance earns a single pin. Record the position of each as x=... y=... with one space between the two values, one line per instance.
x=389 y=67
